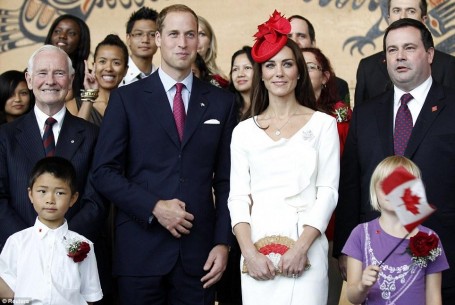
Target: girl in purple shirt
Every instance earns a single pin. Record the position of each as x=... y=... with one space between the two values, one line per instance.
x=400 y=280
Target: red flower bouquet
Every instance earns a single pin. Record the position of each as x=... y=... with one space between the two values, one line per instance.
x=78 y=250
x=423 y=247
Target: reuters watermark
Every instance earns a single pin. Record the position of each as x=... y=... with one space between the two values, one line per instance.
x=16 y=301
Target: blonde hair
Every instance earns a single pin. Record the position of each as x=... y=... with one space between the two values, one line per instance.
x=384 y=169
x=211 y=54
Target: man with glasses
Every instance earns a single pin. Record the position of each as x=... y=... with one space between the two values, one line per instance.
x=140 y=38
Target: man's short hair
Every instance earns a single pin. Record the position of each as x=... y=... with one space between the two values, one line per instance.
x=58 y=167
x=422 y=4
x=145 y=13
x=311 y=31
x=49 y=47
x=173 y=8
x=425 y=34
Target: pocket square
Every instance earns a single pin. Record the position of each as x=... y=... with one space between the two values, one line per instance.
x=212 y=122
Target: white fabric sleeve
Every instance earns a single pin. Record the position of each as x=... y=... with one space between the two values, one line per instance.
x=328 y=175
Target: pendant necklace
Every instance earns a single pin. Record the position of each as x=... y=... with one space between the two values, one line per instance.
x=278 y=130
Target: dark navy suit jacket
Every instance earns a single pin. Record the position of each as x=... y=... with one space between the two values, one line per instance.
x=21 y=147
x=139 y=160
x=431 y=147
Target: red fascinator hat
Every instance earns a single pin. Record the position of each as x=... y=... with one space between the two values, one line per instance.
x=271 y=37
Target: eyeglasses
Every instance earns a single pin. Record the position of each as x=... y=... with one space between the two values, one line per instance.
x=139 y=35
x=313 y=67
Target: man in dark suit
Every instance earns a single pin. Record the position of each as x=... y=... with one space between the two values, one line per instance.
x=171 y=240
x=302 y=32
x=372 y=76
x=49 y=75
x=409 y=48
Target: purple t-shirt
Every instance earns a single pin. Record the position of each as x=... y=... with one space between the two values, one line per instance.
x=400 y=281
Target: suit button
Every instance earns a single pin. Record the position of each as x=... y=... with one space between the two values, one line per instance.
x=182 y=180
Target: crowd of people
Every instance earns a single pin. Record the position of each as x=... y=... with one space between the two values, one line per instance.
x=122 y=182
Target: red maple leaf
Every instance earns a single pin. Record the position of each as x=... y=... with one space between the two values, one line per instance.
x=411 y=201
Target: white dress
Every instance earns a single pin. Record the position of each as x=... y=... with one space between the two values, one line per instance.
x=293 y=182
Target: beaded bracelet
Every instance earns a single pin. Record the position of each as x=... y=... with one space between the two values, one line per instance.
x=89 y=95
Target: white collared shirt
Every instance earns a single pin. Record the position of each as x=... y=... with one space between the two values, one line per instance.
x=419 y=95
x=41 y=118
x=134 y=74
x=41 y=269
x=169 y=86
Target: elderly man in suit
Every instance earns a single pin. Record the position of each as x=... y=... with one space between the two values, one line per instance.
x=163 y=147
x=372 y=76
x=376 y=131
x=23 y=142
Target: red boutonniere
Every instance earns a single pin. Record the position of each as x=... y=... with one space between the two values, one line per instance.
x=275 y=24
x=78 y=250
x=342 y=112
x=423 y=247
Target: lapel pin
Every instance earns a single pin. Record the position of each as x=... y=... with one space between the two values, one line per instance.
x=434 y=108
x=202 y=105
x=72 y=141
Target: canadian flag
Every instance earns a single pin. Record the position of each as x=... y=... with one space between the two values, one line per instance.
x=407 y=194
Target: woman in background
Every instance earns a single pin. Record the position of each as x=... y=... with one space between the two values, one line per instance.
x=72 y=35
x=207 y=48
x=325 y=89
x=109 y=68
x=15 y=97
x=241 y=80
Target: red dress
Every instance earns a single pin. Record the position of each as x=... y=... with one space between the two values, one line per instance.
x=342 y=114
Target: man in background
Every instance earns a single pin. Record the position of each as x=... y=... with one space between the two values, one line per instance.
x=140 y=38
x=302 y=32
x=372 y=76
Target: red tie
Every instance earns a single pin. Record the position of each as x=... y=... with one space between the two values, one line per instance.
x=403 y=125
x=179 y=110
x=48 y=137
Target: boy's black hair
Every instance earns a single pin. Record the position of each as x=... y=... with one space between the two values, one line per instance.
x=144 y=13
x=59 y=167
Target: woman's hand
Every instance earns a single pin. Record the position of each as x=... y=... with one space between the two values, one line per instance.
x=90 y=81
x=260 y=267
x=294 y=263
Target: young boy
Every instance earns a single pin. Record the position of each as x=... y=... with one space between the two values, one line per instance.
x=49 y=263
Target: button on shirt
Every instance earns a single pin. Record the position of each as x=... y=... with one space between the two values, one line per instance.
x=419 y=95
x=41 y=118
x=40 y=269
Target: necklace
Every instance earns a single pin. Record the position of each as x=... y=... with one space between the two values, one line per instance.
x=278 y=130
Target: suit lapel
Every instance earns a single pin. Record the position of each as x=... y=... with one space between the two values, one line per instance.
x=433 y=105
x=385 y=122
x=158 y=103
x=197 y=106
x=29 y=138
x=70 y=137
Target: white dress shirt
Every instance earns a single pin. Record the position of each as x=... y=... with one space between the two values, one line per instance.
x=41 y=269
x=134 y=74
x=415 y=105
x=169 y=87
x=41 y=118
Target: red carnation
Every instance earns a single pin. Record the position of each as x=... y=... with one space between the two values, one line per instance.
x=422 y=243
x=78 y=251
